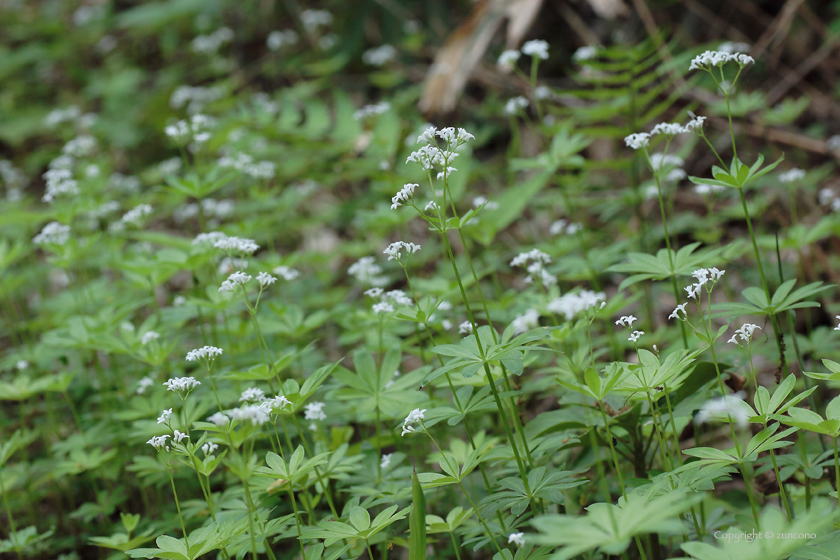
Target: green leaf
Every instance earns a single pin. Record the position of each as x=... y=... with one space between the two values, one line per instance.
x=417 y=521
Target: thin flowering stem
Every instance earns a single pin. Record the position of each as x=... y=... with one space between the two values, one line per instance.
x=178 y=505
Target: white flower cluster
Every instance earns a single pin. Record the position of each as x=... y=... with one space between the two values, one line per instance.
x=668 y=129
x=730 y=47
x=236 y=245
x=626 y=321
x=526 y=321
x=265 y=279
x=164 y=416
x=314 y=411
x=660 y=161
x=366 y=271
x=404 y=195
x=585 y=53
x=637 y=140
x=144 y=384
x=195 y=129
x=149 y=337
x=508 y=58
x=465 y=328
x=208 y=353
x=209 y=44
x=726 y=408
x=287 y=273
x=219 y=419
x=536 y=270
x=246 y=164
x=252 y=394
x=181 y=384
x=53 y=233
x=828 y=198
x=792 y=175
x=80 y=146
x=717 y=58
x=430 y=155
x=394 y=249
x=744 y=333
x=238 y=278
x=60 y=116
x=379 y=56
x=536 y=48
x=515 y=104
x=59 y=182
x=209 y=447
x=278 y=39
x=134 y=216
x=572 y=304
x=565 y=226
x=371 y=110
x=253 y=413
x=416 y=415
x=488 y=204
x=195 y=98
x=388 y=300
x=159 y=442
x=635 y=336
x=707 y=277
x=517 y=538
x=313 y=19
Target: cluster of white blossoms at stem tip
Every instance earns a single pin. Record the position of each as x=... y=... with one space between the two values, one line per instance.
x=536 y=268
x=726 y=408
x=265 y=279
x=208 y=353
x=388 y=300
x=149 y=337
x=59 y=182
x=467 y=328
x=253 y=413
x=366 y=271
x=416 y=415
x=744 y=333
x=526 y=321
x=371 y=110
x=572 y=304
x=159 y=442
x=235 y=245
x=792 y=175
x=430 y=155
x=314 y=411
x=517 y=538
x=286 y=272
x=717 y=58
x=707 y=277
x=181 y=384
x=641 y=140
x=53 y=233
x=537 y=48
x=676 y=313
x=404 y=195
x=238 y=278
x=394 y=249
x=564 y=226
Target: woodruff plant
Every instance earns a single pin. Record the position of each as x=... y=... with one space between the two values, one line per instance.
x=330 y=415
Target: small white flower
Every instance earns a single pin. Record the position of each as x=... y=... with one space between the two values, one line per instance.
x=21 y=365
x=515 y=105
x=431 y=205
x=209 y=448
x=253 y=413
x=265 y=279
x=53 y=233
x=724 y=408
x=585 y=53
x=517 y=538
x=379 y=56
x=626 y=321
x=206 y=352
x=252 y=394
x=144 y=384
x=286 y=272
x=792 y=175
x=404 y=195
x=219 y=419
x=574 y=303
x=382 y=307
x=679 y=309
x=148 y=337
x=693 y=290
x=178 y=436
x=695 y=124
x=386 y=461
x=668 y=129
x=467 y=328
x=236 y=279
x=181 y=384
x=745 y=334
x=509 y=58
x=394 y=249
x=236 y=245
x=527 y=321
x=407 y=430
x=164 y=416
x=314 y=411
x=638 y=140
x=159 y=442
x=537 y=48
x=634 y=337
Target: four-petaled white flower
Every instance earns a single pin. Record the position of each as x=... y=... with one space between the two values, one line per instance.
x=178 y=437
x=744 y=334
x=209 y=447
x=159 y=442
x=467 y=328
x=517 y=538
x=626 y=321
x=679 y=309
x=693 y=290
x=635 y=336
x=386 y=461
x=164 y=416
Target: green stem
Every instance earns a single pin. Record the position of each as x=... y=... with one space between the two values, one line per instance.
x=178 y=506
